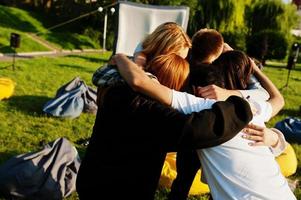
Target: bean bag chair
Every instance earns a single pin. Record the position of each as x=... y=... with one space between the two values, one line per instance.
x=169 y=173
x=288 y=161
x=72 y=99
x=47 y=174
x=7 y=87
x=291 y=129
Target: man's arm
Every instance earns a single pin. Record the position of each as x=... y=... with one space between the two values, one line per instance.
x=140 y=82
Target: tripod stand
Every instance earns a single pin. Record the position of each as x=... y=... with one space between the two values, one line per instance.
x=292 y=61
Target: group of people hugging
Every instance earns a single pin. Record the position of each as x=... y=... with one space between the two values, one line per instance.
x=197 y=97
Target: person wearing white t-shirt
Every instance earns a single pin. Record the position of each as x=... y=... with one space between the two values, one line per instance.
x=236 y=170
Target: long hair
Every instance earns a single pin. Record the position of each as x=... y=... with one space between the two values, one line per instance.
x=167 y=38
x=170 y=69
x=237 y=69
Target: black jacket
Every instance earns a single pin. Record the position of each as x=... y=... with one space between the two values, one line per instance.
x=132 y=135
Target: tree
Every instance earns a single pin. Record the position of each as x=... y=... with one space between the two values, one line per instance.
x=267 y=44
x=269 y=24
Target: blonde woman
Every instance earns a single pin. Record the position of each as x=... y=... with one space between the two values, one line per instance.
x=167 y=38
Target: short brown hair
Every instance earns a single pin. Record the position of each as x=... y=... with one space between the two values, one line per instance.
x=171 y=70
x=205 y=44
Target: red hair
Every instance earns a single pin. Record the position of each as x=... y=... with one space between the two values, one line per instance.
x=171 y=70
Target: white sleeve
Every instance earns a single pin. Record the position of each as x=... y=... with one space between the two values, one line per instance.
x=256 y=94
x=187 y=103
x=282 y=144
x=263 y=109
x=255 y=90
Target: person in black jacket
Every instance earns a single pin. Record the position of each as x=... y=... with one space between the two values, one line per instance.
x=132 y=134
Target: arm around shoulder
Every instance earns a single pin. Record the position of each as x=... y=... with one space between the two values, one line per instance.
x=140 y=82
x=213 y=127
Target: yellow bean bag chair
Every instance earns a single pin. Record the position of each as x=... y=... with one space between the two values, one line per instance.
x=7 y=87
x=169 y=173
x=287 y=162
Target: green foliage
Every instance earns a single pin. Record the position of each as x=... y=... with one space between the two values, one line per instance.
x=266 y=15
x=223 y=15
x=20 y=21
x=27 y=44
x=269 y=25
x=268 y=44
x=289 y=20
x=235 y=39
x=271 y=15
x=67 y=40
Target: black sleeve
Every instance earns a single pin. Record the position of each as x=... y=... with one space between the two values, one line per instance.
x=173 y=130
x=213 y=127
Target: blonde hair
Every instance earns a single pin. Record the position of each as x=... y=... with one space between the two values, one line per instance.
x=170 y=69
x=167 y=38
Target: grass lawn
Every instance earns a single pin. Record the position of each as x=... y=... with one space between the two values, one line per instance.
x=23 y=125
x=21 y=21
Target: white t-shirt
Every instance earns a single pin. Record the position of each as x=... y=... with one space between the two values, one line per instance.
x=235 y=170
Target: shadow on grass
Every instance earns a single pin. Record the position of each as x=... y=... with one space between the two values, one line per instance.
x=15 y=20
x=6 y=49
x=290 y=112
x=28 y=104
x=77 y=67
x=81 y=146
x=69 y=40
x=283 y=66
x=4 y=156
x=90 y=59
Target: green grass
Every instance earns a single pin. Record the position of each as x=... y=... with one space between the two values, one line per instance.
x=21 y=21
x=23 y=125
x=67 y=40
x=26 y=45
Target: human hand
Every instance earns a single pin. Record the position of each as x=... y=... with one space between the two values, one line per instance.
x=213 y=92
x=261 y=136
x=112 y=61
x=115 y=58
x=140 y=59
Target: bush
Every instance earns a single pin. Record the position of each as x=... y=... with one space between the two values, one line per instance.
x=235 y=40
x=267 y=44
x=93 y=34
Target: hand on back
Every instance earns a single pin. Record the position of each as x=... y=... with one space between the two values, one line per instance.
x=261 y=136
x=213 y=92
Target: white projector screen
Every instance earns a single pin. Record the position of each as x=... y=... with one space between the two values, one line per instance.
x=135 y=21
